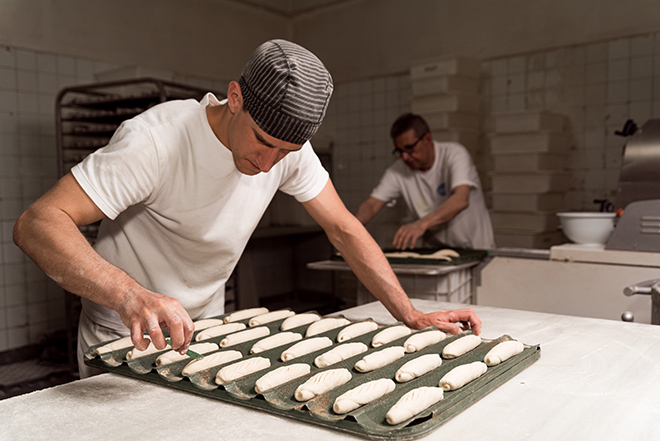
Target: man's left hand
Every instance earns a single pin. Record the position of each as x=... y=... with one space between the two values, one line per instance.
x=447 y=320
x=407 y=235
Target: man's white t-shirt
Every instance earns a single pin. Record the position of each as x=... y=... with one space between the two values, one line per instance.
x=179 y=213
x=423 y=192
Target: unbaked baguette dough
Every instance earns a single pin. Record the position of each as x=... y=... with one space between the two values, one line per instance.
x=209 y=361
x=245 y=314
x=299 y=320
x=241 y=369
x=268 y=317
x=174 y=356
x=363 y=394
x=122 y=343
x=377 y=360
x=151 y=349
x=325 y=325
x=305 y=347
x=279 y=339
x=217 y=331
x=421 y=340
x=418 y=367
x=322 y=383
x=413 y=403
x=462 y=375
x=355 y=330
x=281 y=375
x=243 y=336
x=340 y=353
x=207 y=323
x=503 y=351
x=461 y=346
x=390 y=334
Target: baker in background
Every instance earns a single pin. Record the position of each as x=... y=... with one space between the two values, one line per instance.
x=180 y=188
x=441 y=187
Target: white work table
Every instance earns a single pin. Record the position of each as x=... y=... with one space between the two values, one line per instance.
x=596 y=380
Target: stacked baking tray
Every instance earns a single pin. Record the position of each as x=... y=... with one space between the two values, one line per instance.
x=367 y=421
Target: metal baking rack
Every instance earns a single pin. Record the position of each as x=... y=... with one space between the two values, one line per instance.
x=367 y=421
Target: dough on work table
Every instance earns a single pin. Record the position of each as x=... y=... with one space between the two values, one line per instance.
x=413 y=403
x=122 y=343
x=446 y=254
x=241 y=369
x=305 y=347
x=279 y=339
x=503 y=351
x=325 y=325
x=243 y=336
x=272 y=316
x=151 y=349
x=299 y=320
x=356 y=329
x=461 y=346
x=390 y=334
x=209 y=361
x=281 y=375
x=174 y=356
x=377 y=360
x=217 y=331
x=462 y=375
x=340 y=353
x=418 y=367
x=421 y=340
x=321 y=383
x=245 y=314
x=207 y=323
x=363 y=394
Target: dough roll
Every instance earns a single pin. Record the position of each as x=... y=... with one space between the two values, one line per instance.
x=281 y=375
x=462 y=375
x=151 y=349
x=379 y=359
x=268 y=317
x=503 y=351
x=174 y=356
x=209 y=361
x=322 y=383
x=279 y=339
x=340 y=353
x=390 y=334
x=355 y=330
x=413 y=403
x=363 y=394
x=299 y=320
x=217 y=331
x=325 y=325
x=305 y=347
x=418 y=367
x=421 y=340
x=241 y=369
x=243 y=336
x=461 y=346
x=122 y=343
x=207 y=323
x=245 y=314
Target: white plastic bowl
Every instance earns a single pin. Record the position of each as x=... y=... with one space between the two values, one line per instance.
x=587 y=228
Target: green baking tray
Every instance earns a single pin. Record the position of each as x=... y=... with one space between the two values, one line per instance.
x=367 y=421
x=465 y=256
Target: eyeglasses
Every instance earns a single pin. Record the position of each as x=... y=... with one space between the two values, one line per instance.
x=408 y=148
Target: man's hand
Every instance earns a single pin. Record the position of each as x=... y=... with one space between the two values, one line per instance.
x=407 y=235
x=446 y=321
x=150 y=312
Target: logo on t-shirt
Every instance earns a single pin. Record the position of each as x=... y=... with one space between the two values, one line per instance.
x=441 y=190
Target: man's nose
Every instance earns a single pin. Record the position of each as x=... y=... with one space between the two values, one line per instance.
x=268 y=159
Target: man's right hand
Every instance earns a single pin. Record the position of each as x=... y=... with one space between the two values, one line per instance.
x=149 y=312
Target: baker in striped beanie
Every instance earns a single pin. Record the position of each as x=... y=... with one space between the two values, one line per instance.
x=286 y=90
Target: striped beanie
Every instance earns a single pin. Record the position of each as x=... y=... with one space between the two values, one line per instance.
x=286 y=90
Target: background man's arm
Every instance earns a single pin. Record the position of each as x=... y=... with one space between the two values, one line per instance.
x=368 y=209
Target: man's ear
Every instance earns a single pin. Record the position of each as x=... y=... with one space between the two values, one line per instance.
x=234 y=97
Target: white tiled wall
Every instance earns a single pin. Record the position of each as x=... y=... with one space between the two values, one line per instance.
x=30 y=303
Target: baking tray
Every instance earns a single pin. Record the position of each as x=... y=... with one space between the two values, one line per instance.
x=367 y=421
x=465 y=256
